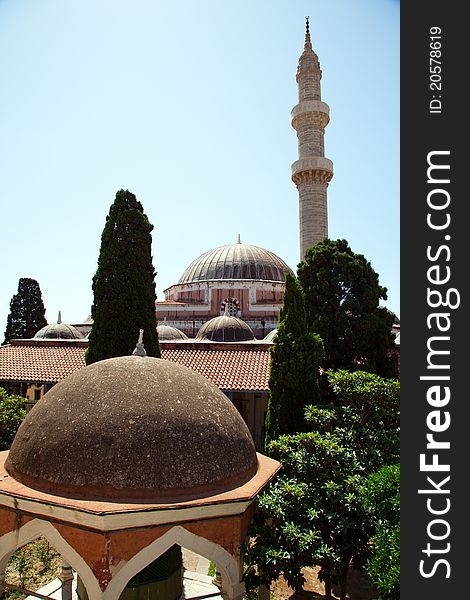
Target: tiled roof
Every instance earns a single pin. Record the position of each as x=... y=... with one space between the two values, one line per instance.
x=228 y=369
x=47 y=364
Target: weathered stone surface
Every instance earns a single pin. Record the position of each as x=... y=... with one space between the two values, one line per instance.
x=133 y=427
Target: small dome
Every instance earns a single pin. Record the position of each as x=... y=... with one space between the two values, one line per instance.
x=225 y=329
x=270 y=336
x=168 y=333
x=236 y=261
x=58 y=331
x=133 y=427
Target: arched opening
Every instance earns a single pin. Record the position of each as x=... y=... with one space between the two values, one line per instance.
x=42 y=530
x=226 y=563
x=201 y=576
x=33 y=566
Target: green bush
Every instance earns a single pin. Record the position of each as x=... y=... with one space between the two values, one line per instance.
x=382 y=500
x=12 y=413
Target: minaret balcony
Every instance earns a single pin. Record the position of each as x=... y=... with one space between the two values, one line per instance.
x=308 y=107
x=315 y=169
x=313 y=163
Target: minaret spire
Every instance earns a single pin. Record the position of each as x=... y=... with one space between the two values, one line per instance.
x=308 y=41
x=312 y=172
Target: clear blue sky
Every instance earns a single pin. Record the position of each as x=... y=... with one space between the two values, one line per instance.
x=187 y=104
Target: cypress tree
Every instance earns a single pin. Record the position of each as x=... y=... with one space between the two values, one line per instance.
x=124 y=284
x=295 y=362
x=27 y=312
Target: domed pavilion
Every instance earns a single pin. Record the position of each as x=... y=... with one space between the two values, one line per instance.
x=244 y=280
x=124 y=461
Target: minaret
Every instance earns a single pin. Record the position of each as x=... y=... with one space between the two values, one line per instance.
x=312 y=172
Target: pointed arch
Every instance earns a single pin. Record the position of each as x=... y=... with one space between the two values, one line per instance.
x=37 y=528
x=225 y=562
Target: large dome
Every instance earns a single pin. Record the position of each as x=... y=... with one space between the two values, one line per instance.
x=236 y=261
x=133 y=427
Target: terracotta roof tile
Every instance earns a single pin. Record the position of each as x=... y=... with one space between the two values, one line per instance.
x=228 y=369
x=46 y=364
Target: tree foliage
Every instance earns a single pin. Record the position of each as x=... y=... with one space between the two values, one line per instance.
x=294 y=369
x=27 y=312
x=381 y=495
x=124 y=286
x=314 y=513
x=12 y=413
x=342 y=294
x=364 y=417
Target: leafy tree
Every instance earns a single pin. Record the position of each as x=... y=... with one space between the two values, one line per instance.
x=124 y=286
x=365 y=417
x=381 y=495
x=342 y=294
x=12 y=413
x=27 y=312
x=314 y=514
x=311 y=515
x=295 y=365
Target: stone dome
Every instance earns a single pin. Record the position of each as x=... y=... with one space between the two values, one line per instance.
x=225 y=329
x=270 y=336
x=58 y=331
x=167 y=333
x=236 y=261
x=133 y=427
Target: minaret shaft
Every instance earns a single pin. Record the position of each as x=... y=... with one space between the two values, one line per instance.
x=312 y=172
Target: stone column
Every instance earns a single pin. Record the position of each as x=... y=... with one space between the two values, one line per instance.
x=66 y=577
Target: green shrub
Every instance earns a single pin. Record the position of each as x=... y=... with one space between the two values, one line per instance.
x=12 y=412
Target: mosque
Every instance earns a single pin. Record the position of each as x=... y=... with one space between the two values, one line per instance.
x=118 y=491
x=220 y=318
x=246 y=281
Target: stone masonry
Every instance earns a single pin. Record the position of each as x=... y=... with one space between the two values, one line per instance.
x=312 y=172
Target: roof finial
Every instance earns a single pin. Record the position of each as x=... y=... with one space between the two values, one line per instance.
x=308 y=43
x=59 y=318
x=239 y=240
x=139 y=349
